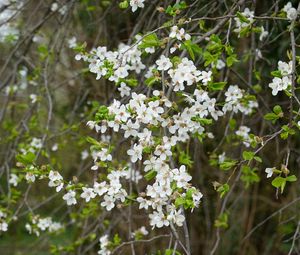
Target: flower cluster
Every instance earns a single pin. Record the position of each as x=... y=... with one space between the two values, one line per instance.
x=263 y=33
x=142 y=231
x=179 y=34
x=55 y=180
x=170 y=187
x=104 y=245
x=114 y=65
x=291 y=12
x=245 y=20
x=8 y=28
x=138 y=118
x=135 y=4
x=58 y=7
x=111 y=190
x=283 y=79
x=102 y=156
x=30 y=174
x=42 y=224
x=14 y=180
x=34 y=146
x=243 y=133
x=235 y=101
x=187 y=73
x=70 y=197
x=3 y=223
x=269 y=171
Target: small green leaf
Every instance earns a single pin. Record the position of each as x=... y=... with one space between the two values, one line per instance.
x=217 y=85
x=291 y=178
x=185 y=159
x=192 y=48
x=249 y=175
x=123 y=4
x=152 y=80
x=26 y=159
x=248 y=155
x=150 y=175
x=228 y=164
x=258 y=159
x=231 y=60
x=277 y=109
x=242 y=17
x=202 y=121
x=222 y=221
x=276 y=74
x=271 y=116
x=150 y=40
x=92 y=141
x=223 y=189
x=279 y=182
x=179 y=201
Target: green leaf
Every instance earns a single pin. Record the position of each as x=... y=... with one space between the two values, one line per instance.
x=171 y=252
x=286 y=132
x=291 y=178
x=248 y=155
x=228 y=164
x=276 y=73
x=150 y=40
x=150 y=175
x=222 y=221
x=277 y=109
x=124 y=4
x=179 y=201
x=279 y=182
x=202 y=121
x=231 y=60
x=232 y=124
x=245 y=31
x=217 y=85
x=258 y=159
x=242 y=17
x=172 y=10
x=116 y=240
x=192 y=48
x=249 y=175
x=102 y=113
x=271 y=116
x=185 y=159
x=275 y=115
x=92 y=141
x=26 y=159
x=152 y=80
x=223 y=189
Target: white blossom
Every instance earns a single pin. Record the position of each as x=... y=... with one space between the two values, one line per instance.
x=124 y=90
x=269 y=171
x=14 y=179
x=100 y=188
x=263 y=34
x=249 y=15
x=135 y=4
x=291 y=12
x=3 y=226
x=30 y=177
x=163 y=63
x=70 y=197
x=279 y=84
x=87 y=194
x=135 y=153
x=179 y=34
